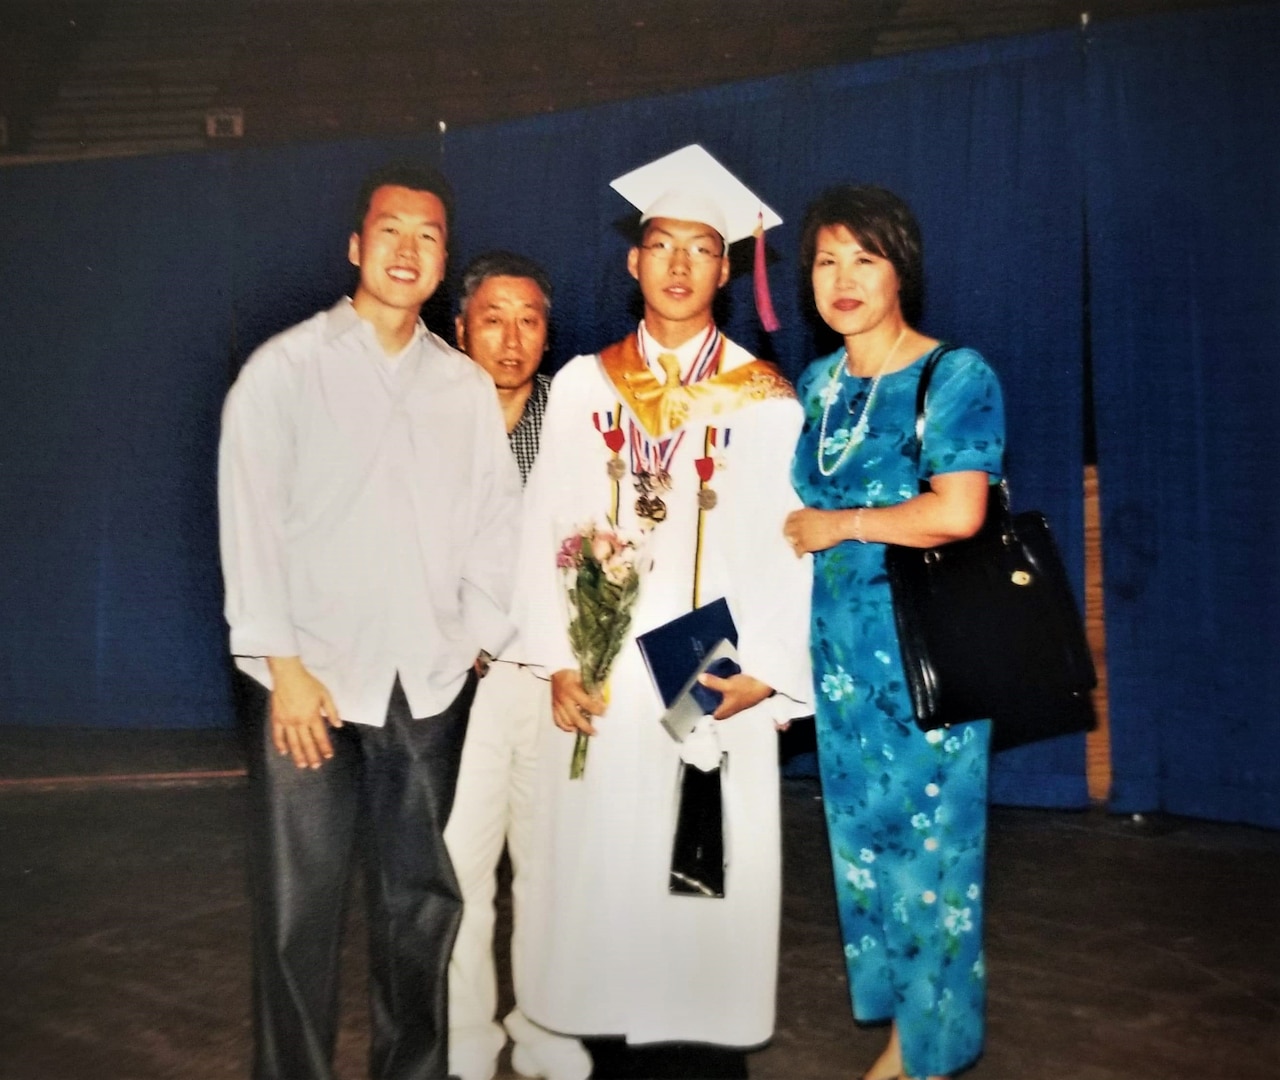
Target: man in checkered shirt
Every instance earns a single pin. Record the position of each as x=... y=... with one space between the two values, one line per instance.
x=502 y=326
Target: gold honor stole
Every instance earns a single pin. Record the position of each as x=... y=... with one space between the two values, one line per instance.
x=662 y=409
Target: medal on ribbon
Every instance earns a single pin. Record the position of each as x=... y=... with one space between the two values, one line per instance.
x=649 y=502
x=651 y=466
x=614 y=439
x=706 y=467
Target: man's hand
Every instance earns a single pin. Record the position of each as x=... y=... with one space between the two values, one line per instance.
x=571 y=706
x=302 y=711
x=740 y=692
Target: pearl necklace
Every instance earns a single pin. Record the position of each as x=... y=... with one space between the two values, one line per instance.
x=864 y=417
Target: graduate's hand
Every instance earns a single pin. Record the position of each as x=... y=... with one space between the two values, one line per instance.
x=740 y=692
x=571 y=706
x=302 y=710
x=815 y=530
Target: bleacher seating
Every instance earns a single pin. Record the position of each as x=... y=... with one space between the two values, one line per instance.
x=93 y=77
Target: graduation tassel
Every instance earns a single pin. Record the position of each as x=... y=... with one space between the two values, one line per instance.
x=760 y=280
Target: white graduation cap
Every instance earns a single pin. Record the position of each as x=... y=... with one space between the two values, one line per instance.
x=690 y=185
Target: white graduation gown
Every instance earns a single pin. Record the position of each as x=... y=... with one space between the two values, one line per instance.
x=608 y=951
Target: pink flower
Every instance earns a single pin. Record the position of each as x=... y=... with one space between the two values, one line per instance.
x=570 y=552
x=602 y=546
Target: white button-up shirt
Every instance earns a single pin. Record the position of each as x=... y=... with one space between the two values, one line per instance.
x=369 y=509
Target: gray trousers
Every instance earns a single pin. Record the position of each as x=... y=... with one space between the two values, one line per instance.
x=387 y=793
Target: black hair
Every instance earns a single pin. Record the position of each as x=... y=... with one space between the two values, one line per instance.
x=883 y=224
x=491 y=264
x=414 y=175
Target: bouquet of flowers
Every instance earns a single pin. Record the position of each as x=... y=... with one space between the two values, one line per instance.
x=601 y=568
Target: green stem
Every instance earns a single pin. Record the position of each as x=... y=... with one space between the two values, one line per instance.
x=578 y=763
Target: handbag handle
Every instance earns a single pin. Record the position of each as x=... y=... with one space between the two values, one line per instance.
x=922 y=389
x=998 y=513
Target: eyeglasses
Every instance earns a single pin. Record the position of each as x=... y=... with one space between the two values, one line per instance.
x=699 y=251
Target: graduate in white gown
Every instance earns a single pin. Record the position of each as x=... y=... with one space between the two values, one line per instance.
x=608 y=949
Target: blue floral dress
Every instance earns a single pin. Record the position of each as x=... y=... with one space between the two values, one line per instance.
x=906 y=811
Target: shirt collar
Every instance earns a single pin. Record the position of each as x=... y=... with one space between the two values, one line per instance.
x=536 y=403
x=541 y=390
x=686 y=354
x=343 y=318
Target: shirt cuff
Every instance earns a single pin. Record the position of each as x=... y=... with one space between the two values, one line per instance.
x=264 y=641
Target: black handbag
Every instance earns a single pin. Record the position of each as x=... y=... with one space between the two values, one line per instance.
x=988 y=626
x=698 y=848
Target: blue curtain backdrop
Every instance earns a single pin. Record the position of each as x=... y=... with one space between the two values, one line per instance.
x=984 y=143
x=1184 y=230
x=118 y=314
x=134 y=289
x=137 y=288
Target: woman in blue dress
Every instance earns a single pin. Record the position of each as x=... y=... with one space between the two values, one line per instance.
x=906 y=810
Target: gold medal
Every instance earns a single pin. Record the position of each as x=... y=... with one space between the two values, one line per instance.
x=649 y=504
x=657 y=481
x=616 y=468
x=707 y=498
x=651 y=508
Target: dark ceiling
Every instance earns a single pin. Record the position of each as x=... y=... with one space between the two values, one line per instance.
x=129 y=76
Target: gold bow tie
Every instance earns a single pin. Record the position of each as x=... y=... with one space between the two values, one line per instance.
x=663 y=408
x=669 y=401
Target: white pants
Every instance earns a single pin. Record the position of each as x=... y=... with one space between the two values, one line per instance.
x=493 y=805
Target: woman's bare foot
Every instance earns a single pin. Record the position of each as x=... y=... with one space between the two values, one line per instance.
x=888 y=1066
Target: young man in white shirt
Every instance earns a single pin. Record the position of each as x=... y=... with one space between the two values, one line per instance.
x=368 y=504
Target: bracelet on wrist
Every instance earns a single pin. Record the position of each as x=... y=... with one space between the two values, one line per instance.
x=857 y=525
